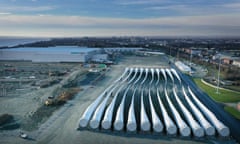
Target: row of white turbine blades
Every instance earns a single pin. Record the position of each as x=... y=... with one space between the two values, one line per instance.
x=152 y=100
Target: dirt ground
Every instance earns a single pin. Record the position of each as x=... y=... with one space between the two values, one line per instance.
x=62 y=126
x=22 y=91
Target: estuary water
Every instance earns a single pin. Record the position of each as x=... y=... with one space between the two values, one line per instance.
x=13 y=41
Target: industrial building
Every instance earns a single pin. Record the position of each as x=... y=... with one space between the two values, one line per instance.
x=122 y=49
x=183 y=67
x=59 y=54
x=49 y=54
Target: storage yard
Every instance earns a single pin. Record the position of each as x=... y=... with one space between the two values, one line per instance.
x=152 y=100
x=139 y=100
x=26 y=86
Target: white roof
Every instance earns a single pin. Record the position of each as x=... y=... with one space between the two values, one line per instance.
x=58 y=49
x=182 y=66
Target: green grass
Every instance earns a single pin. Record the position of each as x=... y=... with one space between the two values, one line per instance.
x=235 y=88
x=223 y=96
x=232 y=111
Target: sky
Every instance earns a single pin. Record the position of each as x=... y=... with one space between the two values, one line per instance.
x=77 y=18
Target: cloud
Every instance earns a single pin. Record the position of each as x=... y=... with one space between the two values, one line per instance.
x=5 y=13
x=103 y=26
x=193 y=9
x=212 y=20
x=68 y=32
x=27 y=8
x=167 y=7
x=232 y=5
x=140 y=2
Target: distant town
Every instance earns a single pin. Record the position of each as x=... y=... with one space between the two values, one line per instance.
x=208 y=52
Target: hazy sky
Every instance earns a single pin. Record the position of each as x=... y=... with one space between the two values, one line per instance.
x=67 y=18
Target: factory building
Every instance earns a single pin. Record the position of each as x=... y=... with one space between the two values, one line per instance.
x=59 y=54
x=49 y=54
x=122 y=49
x=100 y=57
x=183 y=67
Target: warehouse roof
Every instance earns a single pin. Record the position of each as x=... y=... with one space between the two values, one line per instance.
x=183 y=67
x=58 y=49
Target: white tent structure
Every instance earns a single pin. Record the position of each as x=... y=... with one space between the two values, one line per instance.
x=131 y=122
x=182 y=126
x=170 y=74
x=164 y=75
x=196 y=128
x=83 y=122
x=158 y=76
x=146 y=75
x=169 y=124
x=119 y=120
x=152 y=72
x=146 y=99
x=209 y=129
x=134 y=76
x=107 y=120
x=156 y=122
x=221 y=128
x=122 y=76
x=145 y=123
x=129 y=74
x=176 y=74
x=140 y=75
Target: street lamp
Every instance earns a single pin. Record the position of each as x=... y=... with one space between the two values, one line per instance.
x=169 y=55
x=190 y=64
x=170 y=51
x=218 y=74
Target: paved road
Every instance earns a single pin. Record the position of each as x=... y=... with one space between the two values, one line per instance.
x=228 y=120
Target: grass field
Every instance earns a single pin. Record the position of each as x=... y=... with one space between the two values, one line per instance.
x=223 y=96
x=232 y=111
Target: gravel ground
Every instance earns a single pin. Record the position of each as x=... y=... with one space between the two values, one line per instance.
x=61 y=126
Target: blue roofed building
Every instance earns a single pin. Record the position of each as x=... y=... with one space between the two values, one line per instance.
x=49 y=54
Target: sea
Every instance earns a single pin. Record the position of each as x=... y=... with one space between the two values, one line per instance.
x=13 y=41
